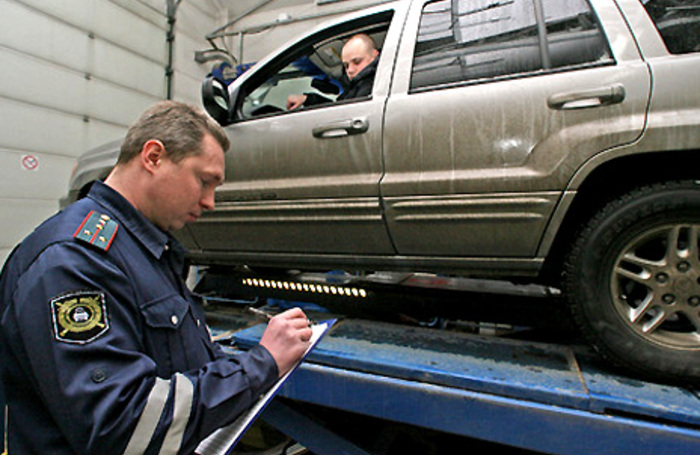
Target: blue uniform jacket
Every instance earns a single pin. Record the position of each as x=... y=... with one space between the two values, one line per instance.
x=104 y=349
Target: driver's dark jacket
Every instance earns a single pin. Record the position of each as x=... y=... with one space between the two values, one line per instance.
x=104 y=349
x=360 y=86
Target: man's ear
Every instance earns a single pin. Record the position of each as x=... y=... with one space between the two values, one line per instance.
x=152 y=153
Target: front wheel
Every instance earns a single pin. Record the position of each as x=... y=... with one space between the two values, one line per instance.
x=633 y=281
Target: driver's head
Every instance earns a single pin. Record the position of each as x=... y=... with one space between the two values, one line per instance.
x=358 y=52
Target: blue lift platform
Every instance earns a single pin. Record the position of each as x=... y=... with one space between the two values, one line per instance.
x=531 y=395
x=515 y=391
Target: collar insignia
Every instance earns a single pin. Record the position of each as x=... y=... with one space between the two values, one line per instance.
x=98 y=230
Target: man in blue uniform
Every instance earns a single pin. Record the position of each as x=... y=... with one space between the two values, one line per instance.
x=104 y=349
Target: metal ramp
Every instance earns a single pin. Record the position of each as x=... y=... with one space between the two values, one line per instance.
x=541 y=397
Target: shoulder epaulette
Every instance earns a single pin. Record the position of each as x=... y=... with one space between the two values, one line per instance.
x=98 y=230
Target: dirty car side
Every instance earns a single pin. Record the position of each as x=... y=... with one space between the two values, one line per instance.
x=546 y=141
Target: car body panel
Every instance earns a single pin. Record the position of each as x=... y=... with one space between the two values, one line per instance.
x=474 y=177
x=469 y=177
x=291 y=189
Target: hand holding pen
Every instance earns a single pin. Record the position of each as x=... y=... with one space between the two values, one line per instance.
x=266 y=315
x=286 y=337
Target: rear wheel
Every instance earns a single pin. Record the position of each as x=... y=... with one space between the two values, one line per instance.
x=633 y=280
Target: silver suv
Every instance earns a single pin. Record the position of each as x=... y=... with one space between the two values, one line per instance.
x=544 y=141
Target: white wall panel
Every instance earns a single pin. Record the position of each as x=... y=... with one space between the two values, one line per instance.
x=117 y=65
x=34 y=175
x=37 y=34
x=36 y=129
x=19 y=217
x=53 y=139
x=75 y=74
x=152 y=10
x=33 y=33
x=184 y=62
x=44 y=84
x=188 y=89
x=194 y=21
x=109 y=21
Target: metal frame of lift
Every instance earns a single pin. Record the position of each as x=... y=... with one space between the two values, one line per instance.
x=541 y=397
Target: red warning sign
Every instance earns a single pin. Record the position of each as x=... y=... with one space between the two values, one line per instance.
x=30 y=162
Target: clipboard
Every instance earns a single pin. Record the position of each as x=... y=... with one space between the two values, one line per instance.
x=223 y=440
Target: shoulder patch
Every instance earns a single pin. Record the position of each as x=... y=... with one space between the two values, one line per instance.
x=79 y=317
x=98 y=230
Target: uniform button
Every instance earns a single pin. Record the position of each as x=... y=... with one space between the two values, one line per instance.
x=174 y=319
x=198 y=323
x=99 y=375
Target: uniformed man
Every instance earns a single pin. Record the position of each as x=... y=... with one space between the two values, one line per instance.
x=104 y=349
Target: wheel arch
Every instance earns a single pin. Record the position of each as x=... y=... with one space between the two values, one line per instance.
x=601 y=185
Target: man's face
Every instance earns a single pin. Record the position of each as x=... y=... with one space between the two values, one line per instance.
x=356 y=56
x=186 y=189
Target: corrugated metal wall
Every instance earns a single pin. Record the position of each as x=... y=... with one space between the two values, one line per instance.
x=73 y=75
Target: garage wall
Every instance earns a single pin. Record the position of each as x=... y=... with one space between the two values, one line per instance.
x=75 y=74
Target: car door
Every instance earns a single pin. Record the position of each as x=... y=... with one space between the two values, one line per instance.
x=501 y=105
x=305 y=181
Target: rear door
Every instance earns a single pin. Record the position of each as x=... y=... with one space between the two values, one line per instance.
x=497 y=107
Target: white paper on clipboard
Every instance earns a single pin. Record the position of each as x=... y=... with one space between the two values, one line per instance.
x=224 y=439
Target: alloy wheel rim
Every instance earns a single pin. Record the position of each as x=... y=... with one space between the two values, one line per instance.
x=655 y=285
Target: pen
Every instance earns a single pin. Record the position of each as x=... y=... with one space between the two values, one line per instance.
x=267 y=315
x=257 y=311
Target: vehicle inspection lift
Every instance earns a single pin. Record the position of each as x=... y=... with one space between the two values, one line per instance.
x=548 y=397
x=542 y=397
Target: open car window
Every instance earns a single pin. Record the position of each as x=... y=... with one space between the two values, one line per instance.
x=296 y=77
x=313 y=66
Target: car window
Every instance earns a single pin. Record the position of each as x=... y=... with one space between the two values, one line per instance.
x=297 y=77
x=473 y=40
x=678 y=23
x=312 y=68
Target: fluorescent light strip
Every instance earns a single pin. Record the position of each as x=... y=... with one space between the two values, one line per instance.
x=306 y=287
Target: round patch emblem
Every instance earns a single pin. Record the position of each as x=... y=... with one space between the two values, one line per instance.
x=79 y=317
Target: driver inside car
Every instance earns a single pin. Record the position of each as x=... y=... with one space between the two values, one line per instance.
x=359 y=57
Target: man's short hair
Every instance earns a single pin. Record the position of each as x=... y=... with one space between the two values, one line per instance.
x=179 y=126
x=367 y=40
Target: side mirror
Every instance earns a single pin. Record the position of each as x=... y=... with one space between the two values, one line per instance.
x=216 y=100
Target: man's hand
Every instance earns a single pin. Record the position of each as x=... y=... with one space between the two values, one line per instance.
x=287 y=338
x=294 y=101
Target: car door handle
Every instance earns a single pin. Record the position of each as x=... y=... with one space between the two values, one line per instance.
x=341 y=128
x=596 y=97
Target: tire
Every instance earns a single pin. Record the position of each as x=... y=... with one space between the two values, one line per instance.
x=633 y=282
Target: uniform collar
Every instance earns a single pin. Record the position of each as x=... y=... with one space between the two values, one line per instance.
x=153 y=238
